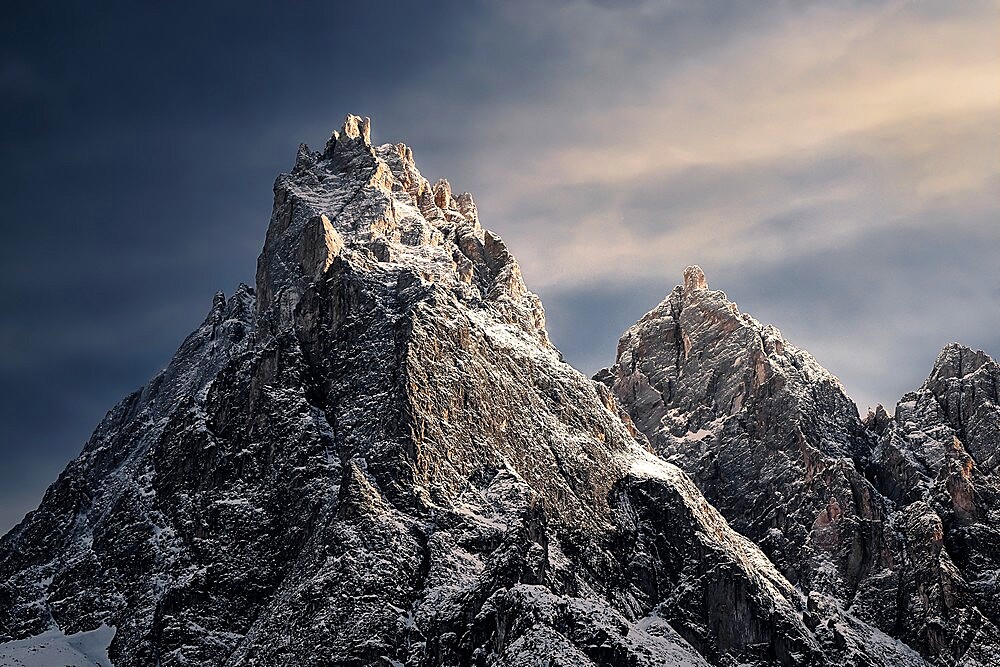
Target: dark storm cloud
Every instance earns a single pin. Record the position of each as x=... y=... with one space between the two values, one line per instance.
x=845 y=191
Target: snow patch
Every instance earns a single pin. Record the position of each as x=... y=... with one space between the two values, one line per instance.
x=53 y=647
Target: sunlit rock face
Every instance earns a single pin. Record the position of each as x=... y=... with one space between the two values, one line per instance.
x=375 y=456
x=887 y=520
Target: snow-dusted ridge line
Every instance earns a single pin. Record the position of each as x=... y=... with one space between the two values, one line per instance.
x=895 y=519
x=376 y=456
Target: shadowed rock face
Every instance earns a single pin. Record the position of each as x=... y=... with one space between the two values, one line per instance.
x=872 y=517
x=376 y=457
x=936 y=459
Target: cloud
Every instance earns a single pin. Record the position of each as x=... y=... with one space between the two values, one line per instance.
x=889 y=87
x=833 y=166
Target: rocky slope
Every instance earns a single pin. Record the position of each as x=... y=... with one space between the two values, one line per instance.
x=890 y=519
x=376 y=457
x=936 y=460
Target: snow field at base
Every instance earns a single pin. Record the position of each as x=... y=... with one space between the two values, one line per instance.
x=51 y=648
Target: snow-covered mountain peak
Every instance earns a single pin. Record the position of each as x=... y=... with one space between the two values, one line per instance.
x=376 y=457
x=370 y=205
x=893 y=518
x=960 y=399
x=708 y=359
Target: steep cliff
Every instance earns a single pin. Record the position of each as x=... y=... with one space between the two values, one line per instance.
x=936 y=459
x=842 y=507
x=376 y=457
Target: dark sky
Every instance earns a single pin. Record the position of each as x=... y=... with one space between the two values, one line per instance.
x=835 y=169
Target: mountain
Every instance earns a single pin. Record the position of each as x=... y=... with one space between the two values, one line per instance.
x=375 y=456
x=892 y=520
x=936 y=459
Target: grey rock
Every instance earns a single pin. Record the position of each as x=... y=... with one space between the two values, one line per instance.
x=377 y=457
x=936 y=457
x=890 y=519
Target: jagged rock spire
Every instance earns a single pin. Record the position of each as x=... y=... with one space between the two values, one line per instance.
x=694 y=279
x=957 y=361
x=890 y=518
x=387 y=463
x=355 y=132
x=370 y=201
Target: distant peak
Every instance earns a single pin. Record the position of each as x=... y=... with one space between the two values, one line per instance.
x=694 y=279
x=957 y=360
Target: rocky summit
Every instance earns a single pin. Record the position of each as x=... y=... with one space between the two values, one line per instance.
x=892 y=521
x=375 y=456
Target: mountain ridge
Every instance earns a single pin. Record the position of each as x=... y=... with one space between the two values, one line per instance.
x=376 y=456
x=776 y=444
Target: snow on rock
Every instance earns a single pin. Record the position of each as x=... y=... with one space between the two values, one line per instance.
x=53 y=648
x=936 y=459
x=376 y=457
x=754 y=421
x=895 y=518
